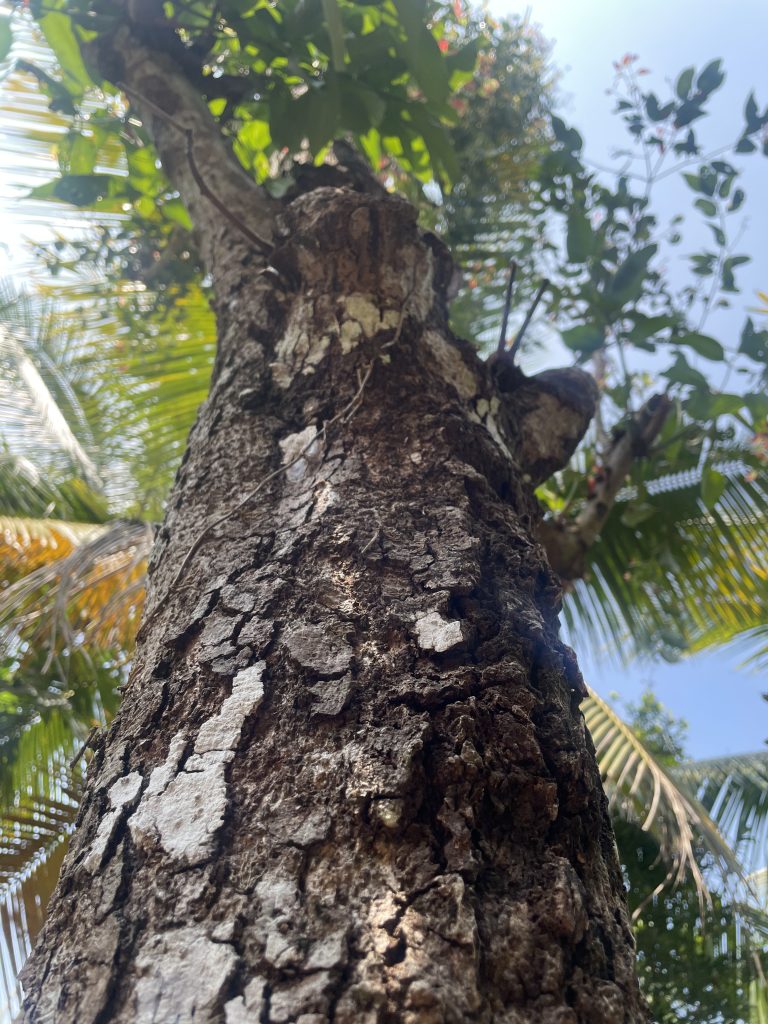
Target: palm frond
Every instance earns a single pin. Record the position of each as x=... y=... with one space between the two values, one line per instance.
x=684 y=578
x=30 y=492
x=29 y=414
x=138 y=374
x=153 y=367
x=27 y=545
x=643 y=790
x=96 y=588
x=734 y=791
x=28 y=876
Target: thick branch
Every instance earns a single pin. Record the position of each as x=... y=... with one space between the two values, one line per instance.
x=194 y=153
x=567 y=544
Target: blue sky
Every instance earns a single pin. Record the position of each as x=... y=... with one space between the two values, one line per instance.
x=722 y=705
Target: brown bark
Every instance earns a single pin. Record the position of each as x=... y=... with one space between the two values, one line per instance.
x=568 y=542
x=350 y=781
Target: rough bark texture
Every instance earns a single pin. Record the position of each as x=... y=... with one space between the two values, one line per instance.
x=350 y=781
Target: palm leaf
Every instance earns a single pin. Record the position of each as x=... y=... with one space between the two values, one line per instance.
x=24 y=896
x=153 y=373
x=37 y=403
x=683 y=579
x=644 y=791
x=96 y=587
x=30 y=492
x=734 y=790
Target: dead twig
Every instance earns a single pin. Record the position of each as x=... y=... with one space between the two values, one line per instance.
x=507 y=306
x=528 y=317
x=88 y=740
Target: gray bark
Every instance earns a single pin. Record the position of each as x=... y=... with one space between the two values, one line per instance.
x=350 y=781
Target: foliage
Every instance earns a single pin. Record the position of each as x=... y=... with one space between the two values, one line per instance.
x=682 y=551
x=454 y=109
x=702 y=967
x=688 y=970
x=643 y=787
x=657 y=729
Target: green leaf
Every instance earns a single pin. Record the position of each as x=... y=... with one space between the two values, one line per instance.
x=723 y=167
x=142 y=162
x=754 y=343
x=637 y=512
x=687 y=112
x=751 y=114
x=423 y=54
x=569 y=137
x=718 y=233
x=655 y=112
x=684 y=83
x=712 y=486
x=441 y=153
x=79 y=156
x=729 y=281
x=647 y=326
x=320 y=113
x=6 y=36
x=60 y=99
x=81 y=189
x=585 y=338
x=627 y=283
x=726 y=405
x=580 y=239
x=738 y=199
x=758 y=407
x=693 y=181
x=57 y=29
x=465 y=59
x=705 y=405
x=375 y=104
x=176 y=212
x=336 y=33
x=707 y=181
x=711 y=78
x=703 y=345
x=681 y=373
x=745 y=145
x=286 y=124
x=254 y=135
x=707 y=207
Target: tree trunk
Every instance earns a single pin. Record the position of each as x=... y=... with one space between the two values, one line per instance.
x=350 y=781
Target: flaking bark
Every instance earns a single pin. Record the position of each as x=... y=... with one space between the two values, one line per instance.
x=350 y=781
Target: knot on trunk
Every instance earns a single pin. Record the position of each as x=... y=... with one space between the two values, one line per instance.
x=552 y=411
x=341 y=242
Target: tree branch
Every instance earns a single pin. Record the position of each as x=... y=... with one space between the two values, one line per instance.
x=194 y=153
x=567 y=543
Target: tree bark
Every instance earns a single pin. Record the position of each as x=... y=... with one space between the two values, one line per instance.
x=349 y=781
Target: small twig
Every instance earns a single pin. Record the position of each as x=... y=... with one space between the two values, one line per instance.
x=372 y=541
x=343 y=416
x=507 y=304
x=88 y=740
x=198 y=178
x=529 y=316
x=257 y=240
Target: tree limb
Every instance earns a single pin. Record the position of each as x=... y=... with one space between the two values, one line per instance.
x=194 y=153
x=567 y=543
